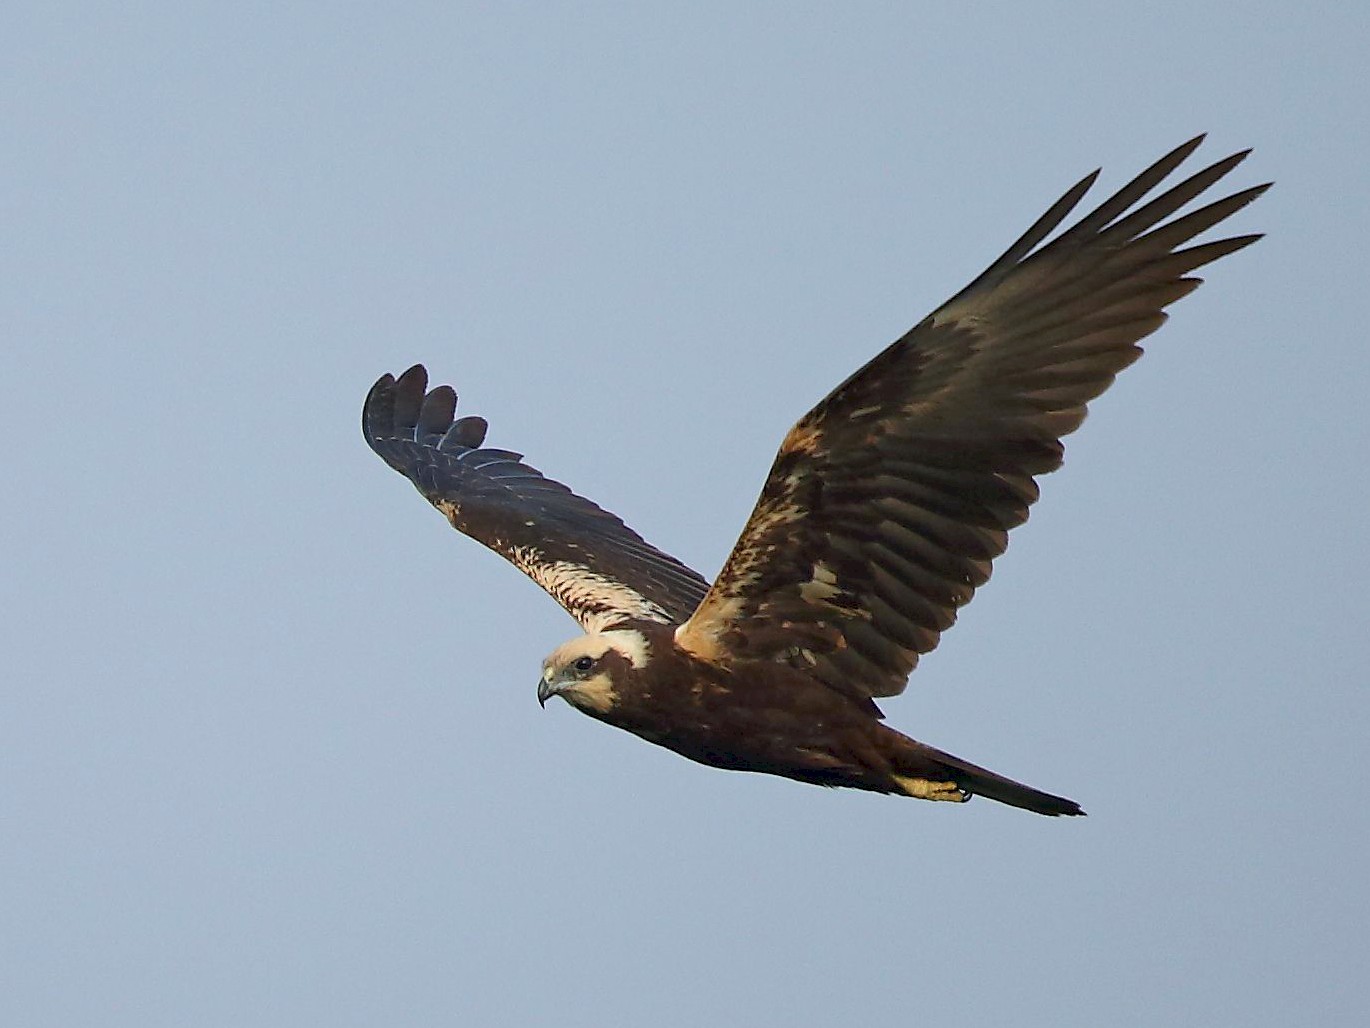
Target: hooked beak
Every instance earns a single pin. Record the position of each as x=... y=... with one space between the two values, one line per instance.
x=546 y=690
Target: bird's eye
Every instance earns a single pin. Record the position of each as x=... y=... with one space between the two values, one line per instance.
x=584 y=663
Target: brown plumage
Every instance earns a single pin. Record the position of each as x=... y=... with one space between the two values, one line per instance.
x=880 y=518
x=762 y=717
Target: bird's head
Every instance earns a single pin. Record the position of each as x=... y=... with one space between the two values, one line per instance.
x=585 y=671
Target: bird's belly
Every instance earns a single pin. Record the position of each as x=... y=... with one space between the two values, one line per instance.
x=744 y=730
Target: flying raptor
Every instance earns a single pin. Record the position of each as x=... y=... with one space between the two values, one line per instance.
x=880 y=518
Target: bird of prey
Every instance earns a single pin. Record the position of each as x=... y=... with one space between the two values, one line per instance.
x=879 y=519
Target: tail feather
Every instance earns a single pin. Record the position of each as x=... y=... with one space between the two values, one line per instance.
x=979 y=781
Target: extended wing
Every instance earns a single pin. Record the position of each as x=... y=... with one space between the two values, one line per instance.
x=888 y=501
x=601 y=571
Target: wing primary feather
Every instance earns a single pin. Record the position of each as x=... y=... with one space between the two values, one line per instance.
x=1029 y=240
x=435 y=416
x=1176 y=197
x=1181 y=230
x=408 y=399
x=465 y=434
x=1095 y=222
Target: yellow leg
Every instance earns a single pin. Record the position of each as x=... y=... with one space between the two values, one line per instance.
x=925 y=789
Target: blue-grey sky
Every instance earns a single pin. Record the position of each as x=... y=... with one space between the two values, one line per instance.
x=269 y=747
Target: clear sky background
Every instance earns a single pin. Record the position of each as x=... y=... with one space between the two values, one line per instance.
x=269 y=747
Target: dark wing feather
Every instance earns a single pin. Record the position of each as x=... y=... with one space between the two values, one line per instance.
x=601 y=571
x=888 y=501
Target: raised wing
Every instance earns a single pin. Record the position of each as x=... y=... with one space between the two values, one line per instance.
x=600 y=570
x=888 y=501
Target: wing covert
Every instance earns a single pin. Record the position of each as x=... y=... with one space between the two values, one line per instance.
x=889 y=500
x=598 y=569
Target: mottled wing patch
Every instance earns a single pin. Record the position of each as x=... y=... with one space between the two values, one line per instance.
x=596 y=600
x=888 y=501
x=602 y=572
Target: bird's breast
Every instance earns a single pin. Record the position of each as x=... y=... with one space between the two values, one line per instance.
x=747 y=717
